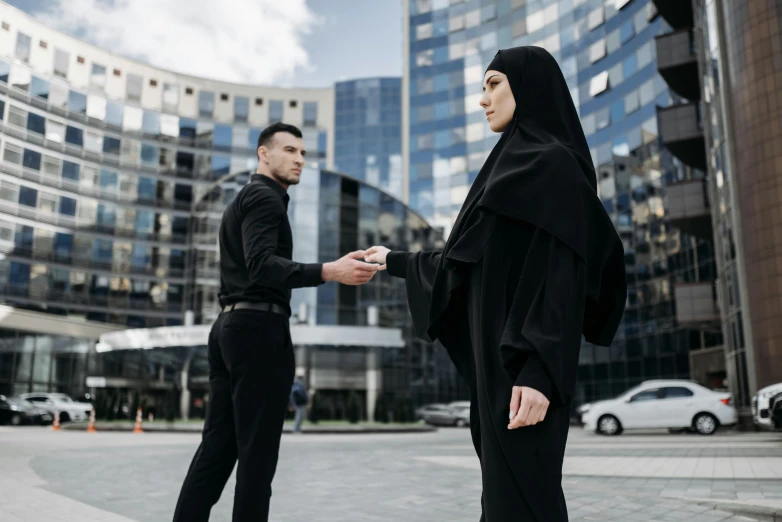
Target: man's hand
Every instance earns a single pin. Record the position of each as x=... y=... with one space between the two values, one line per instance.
x=377 y=254
x=527 y=407
x=348 y=270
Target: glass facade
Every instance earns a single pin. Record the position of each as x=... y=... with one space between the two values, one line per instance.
x=97 y=182
x=368 y=131
x=607 y=53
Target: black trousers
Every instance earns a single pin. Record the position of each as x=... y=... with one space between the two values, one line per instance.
x=251 y=369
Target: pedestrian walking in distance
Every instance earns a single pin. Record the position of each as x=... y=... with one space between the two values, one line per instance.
x=251 y=360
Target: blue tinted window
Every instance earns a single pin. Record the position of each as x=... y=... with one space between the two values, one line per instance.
x=145 y=221
x=2 y=109
x=150 y=123
x=442 y=110
x=36 y=123
x=63 y=244
x=617 y=110
x=23 y=238
x=322 y=142
x=67 y=206
x=627 y=31
x=77 y=102
x=18 y=275
x=74 y=136
x=149 y=154
x=31 y=159
x=146 y=189
x=252 y=139
x=206 y=103
x=221 y=165
x=107 y=215
x=108 y=180
x=111 y=145
x=275 y=111
x=102 y=250
x=630 y=65
x=310 y=113
x=187 y=128
x=140 y=256
x=114 y=113
x=222 y=137
x=70 y=170
x=241 y=108
x=27 y=196
x=442 y=139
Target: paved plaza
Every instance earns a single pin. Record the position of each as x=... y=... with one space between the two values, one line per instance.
x=122 y=477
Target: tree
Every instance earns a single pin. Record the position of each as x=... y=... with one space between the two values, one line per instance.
x=381 y=411
x=354 y=407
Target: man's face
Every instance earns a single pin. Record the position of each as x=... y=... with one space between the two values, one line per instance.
x=285 y=157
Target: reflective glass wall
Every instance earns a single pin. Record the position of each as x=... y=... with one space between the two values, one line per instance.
x=368 y=131
x=606 y=50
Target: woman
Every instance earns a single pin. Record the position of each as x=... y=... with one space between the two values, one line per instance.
x=533 y=261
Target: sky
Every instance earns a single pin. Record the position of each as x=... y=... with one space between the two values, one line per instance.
x=288 y=43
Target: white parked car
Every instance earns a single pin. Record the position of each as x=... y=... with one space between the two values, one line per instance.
x=69 y=409
x=672 y=404
x=760 y=414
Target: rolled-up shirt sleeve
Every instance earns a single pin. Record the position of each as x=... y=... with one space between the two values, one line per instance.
x=263 y=216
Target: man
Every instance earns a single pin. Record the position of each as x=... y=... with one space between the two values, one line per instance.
x=251 y=360
x=299 y=402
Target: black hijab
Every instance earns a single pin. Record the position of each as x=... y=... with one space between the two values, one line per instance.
x=539 y=172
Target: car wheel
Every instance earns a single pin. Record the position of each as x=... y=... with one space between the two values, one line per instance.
x=609 y=425
x=16 y=419
x=705 y=423
x=460 y=423
x=64 y=417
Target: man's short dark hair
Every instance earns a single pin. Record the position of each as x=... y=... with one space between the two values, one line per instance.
x=265 y=139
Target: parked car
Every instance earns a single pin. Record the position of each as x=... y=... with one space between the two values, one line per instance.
x=761 y=415
x=672 y=404
x=775 y=411
x=444 y=414
x=69 y=409
x=16 y=411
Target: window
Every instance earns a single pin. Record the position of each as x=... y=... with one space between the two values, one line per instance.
x=150 y=123
x=596 y=18
x=31 y=159
x=111 y=145
x=170 y=97
x=4 y=70
x=626 y=31
x=114 y=113
x=67 y=206
x=52 y=165
x=93 y=142
x=648 y=395
x=23 y=44
x=98 y=76
x=77 y=102
x=677 y=392
x=12 y=154
x=96 y=107
x=598 y=84
x=221 y=165
x=241 y=108
x=80 y=59
x=36 y=123
x=132 y=119
x=222 y=137
x=275 y=111
x=61 y=59
x=293 y=104
x=146 y=189
x=206 y=103
x=258 y=101
x=107 y=215
x=310 y=114
x=28 y=196
x=632 y=102
x=149 y=154
x=597 y=50
x=17 y=116
x=117 y=72
x=135 y=85
x=43 y=44
x=153 y=83
x=613 y=41
x=70 y=170
x=21 y=78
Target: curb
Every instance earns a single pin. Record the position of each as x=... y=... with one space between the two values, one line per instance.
x=163 y=427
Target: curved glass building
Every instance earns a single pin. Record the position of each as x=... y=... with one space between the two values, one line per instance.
x=607 y=52
x=113 y=178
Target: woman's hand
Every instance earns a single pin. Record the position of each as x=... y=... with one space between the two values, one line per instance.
x=376 y=254
x=527 y=407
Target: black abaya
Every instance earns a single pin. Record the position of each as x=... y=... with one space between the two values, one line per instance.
x=533 y=261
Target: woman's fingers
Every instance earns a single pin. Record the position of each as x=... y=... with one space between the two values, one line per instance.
x=532 y=408
x=515 y=400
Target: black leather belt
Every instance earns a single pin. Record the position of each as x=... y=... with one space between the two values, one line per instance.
x=261 y=307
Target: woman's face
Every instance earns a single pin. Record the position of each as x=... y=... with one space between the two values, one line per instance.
x=498 y=100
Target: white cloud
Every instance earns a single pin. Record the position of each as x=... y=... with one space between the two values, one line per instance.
x=247 y=41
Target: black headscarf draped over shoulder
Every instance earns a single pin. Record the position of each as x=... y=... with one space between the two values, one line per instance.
x=540 y=172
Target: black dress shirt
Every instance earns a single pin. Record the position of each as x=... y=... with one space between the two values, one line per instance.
x=256 y=246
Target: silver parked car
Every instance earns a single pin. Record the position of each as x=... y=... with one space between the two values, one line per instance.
x=454 y=414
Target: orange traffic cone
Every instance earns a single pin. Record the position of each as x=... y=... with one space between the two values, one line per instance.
x=137 y=427
x=56 y=423
x=91 y=425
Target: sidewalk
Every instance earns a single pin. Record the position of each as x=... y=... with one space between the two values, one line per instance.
x=307 y=428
